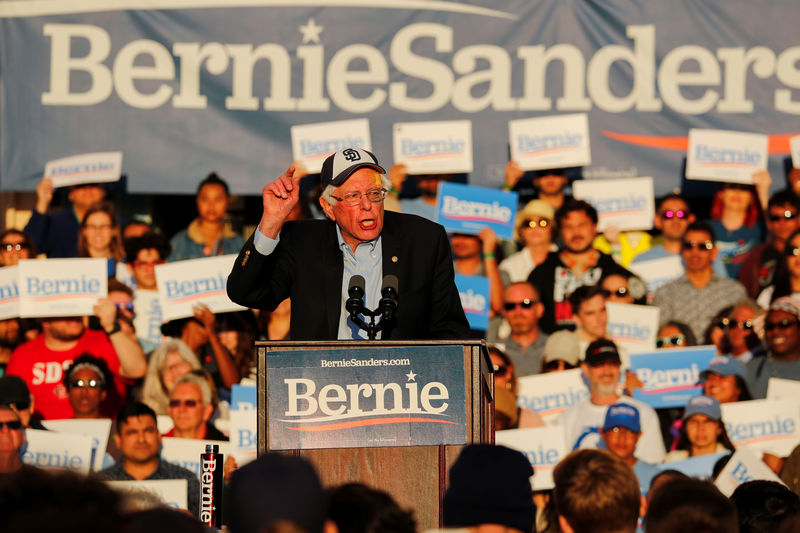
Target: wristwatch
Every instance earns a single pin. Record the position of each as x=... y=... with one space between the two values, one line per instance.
x=115 y=329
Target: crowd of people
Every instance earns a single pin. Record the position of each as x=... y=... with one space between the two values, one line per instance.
x=739 y=291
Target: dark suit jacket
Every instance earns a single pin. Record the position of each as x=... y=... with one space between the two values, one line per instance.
x=307 y=266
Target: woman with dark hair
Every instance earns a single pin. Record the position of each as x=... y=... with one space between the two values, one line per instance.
x=735 y=331
x=15 y=245
x=715 y=333
x=787 y=277
x=675 y=334
x=100 y=236
x=724 y=380
x=88 y=381
x=702 y=432
x=508 y=415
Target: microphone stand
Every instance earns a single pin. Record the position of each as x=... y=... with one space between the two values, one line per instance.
x=373 y=327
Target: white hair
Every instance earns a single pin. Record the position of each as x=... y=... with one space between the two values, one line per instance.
x=199 y=381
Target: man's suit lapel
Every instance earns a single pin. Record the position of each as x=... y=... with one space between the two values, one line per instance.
x=333 y=270
x=393 y=261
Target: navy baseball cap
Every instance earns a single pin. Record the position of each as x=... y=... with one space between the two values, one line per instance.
x=341 y=164
x=622 y=415
x=723 y=365
x=600 y=351
x=703 y=405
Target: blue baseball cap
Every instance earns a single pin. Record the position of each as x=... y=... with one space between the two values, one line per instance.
x=703 y=405
x=622 y=415
x=723 y=365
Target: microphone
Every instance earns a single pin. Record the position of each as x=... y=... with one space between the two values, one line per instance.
x=355 y=303
x=388 y=302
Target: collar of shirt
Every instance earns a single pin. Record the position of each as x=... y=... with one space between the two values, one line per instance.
x=367 y=261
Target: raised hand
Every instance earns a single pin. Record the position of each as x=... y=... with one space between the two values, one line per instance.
x=279 y=198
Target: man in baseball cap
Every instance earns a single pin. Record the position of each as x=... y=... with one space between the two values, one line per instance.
x=620 y=432
x=314 y=261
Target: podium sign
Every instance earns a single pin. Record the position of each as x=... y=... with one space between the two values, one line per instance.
x=365 y=397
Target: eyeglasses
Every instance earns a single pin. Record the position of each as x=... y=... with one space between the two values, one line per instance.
x=11 y=425
x=705 y=245
x=15 y=247
x=500 y=370
x=85 y=384
x=678 y=213
x=793 y=252
x=786 y=215
x=185 y=403
x=783 y=324
x=532 y=223
x=354 y=198
x=727 y=323
x=621 y=292
x=138 y=263
x=128 y=306
x=527 y=303
x=674 y=340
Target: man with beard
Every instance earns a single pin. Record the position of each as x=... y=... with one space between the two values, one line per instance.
x=782 y=332
x=42 y=361
x=525 y=343
x=582 y=421
x=575 y=265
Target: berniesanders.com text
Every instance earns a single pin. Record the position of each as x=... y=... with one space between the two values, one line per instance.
x=347 y=363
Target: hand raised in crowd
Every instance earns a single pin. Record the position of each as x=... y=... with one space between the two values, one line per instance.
x=106 y=312
x=762 y=181
x=206 y=317
x=279 y=198
x=44 y=195
x=513 y=174
x=398 y=175
x=488 y=240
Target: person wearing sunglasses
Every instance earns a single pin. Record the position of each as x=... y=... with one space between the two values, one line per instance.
x=787 y=277
x=761 y=264
x=15 y=245
x=782 y=335
x=190 y=407
x=525 y=342
x=737 y=329
x=675 y=334
x=87 y=382
x=533 y=229
x=12 y=440
x=699 y=294
x=509 y=415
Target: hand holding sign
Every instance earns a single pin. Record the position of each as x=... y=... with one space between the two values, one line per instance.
x=279 y=198
x=44 y=195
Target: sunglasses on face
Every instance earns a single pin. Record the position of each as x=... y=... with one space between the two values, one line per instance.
x=128 y=306
x=783 y=324
x=532 y=223
x=786 y=215
x=678 y=213
x=527 y=303
x=622 y=292
x=728 y=323
x=555 y=365
x=500 y=370
x=185 y=403
x=84 y=384
x=674 y=340
x=793 y=252
x=703 y=246
x=11 y=425
x=14 y=247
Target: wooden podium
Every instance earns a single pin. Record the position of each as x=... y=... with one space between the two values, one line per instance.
x=416 y=476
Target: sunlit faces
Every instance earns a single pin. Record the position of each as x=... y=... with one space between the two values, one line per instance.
x=735 y=197
x=186 y=407
x=174 y=367
x=621 y=441
x=670 y=336
x=724 y=388
x=97 y=232
x=592 y=316
x=673 y=218
x=698 y=251
x=138 y=439
x=702 y=431
x=782 y=333
x=85 y=393
x=617 y=288
x=522 y=317
x=577 y=231
x=535 y=231
x=144 y=268
x=13 y=248
x=212 y=202
x=359 y=223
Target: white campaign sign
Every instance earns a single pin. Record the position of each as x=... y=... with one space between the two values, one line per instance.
x=186 y=452
x=633 y=327
x=626 y=203
x=658 y=272
x=48 y=449
x=9 y=292
x=544 y=448
x=794 y=147
x=434 y=147
x=783 y=389
x=61 y=287
x=164 y=423
x=312 y=143
x=745 y=465
x=243 y=434
x=98 y=429
x=184 y=284
x=550 y=394
x=719 y=155
x=172 y=492
x=98 y=167
x=767 y=425
x=550 y=142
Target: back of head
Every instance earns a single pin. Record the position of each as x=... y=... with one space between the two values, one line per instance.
x=764 y=506
x=357 y=508
x=276 y=492
x=596 y=491
x=489 y=485
x=682 y=505
x=161 y=520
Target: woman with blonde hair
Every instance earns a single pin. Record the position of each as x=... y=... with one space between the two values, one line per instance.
x=171 y=360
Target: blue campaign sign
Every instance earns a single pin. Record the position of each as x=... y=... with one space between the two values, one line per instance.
x=474 y=294
x=671 y=376
x=468 y=209
x=366 y=397
x=243 y=394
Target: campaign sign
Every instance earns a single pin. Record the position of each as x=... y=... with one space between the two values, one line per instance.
x=720 y=155
x=767 y=425
x=626 y=203
x=783 y=389
x=366 y=397
x=701 y=467
x=99 y=167
x=61 y=287
x=551 y=394
x=658 y=272
x=48 y=449
x=794 y=147
x=184 y=284
x=172 y=492
x=147 y=321
x=434 y=147
x=9 y=292
x=243 y=397
x=312 y=143
x=164 y=423
x=244 y=435
x=745 y=465
x=474 y=294
x=467 y=209
x=671 y=376
x=186 y=452
x=633 y=327
x=98 y=429
x=544 y=448
x=550 y=142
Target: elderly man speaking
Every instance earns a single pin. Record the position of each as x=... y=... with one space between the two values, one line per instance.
x=312 y=261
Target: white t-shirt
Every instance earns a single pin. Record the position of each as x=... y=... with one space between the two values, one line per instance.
x=583 y=420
